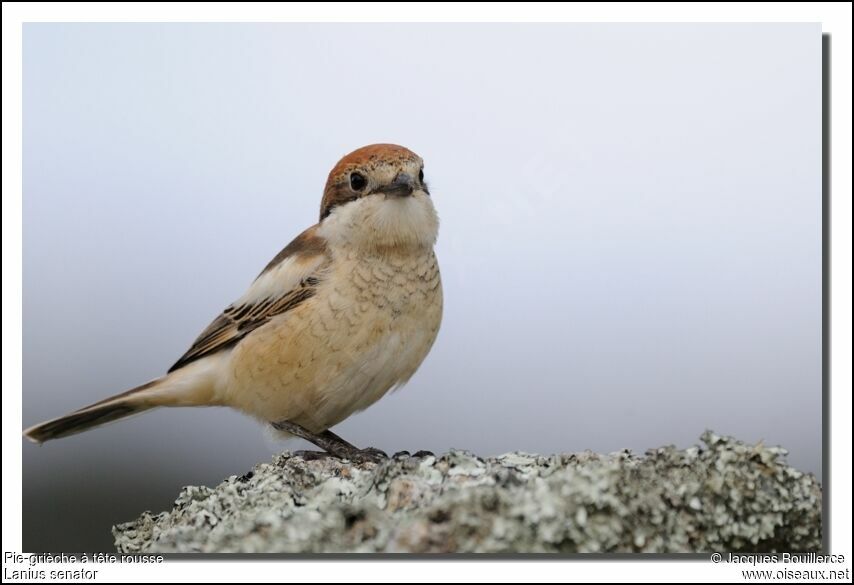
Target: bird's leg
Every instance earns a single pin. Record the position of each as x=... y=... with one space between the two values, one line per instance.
x=331 y=443
x=370 y=453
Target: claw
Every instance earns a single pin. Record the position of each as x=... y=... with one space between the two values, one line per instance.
x=368 y=455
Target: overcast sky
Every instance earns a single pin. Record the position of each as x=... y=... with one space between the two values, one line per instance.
x=630 y=234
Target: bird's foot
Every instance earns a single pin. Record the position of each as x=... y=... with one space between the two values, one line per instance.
x=313 y=455
x=331 y=443
x=356 y=455
x=367 y=455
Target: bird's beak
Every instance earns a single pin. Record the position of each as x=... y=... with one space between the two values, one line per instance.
x=402 y=186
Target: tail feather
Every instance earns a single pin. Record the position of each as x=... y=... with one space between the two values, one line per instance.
x=80 y=421
x=109 y=410
x=192 y=385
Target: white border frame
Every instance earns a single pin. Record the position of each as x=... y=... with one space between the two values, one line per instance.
x=835 y=19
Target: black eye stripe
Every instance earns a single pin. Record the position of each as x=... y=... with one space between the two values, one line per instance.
x=421 y=176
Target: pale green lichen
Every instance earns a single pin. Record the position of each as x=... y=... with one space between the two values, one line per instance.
x=726 y=496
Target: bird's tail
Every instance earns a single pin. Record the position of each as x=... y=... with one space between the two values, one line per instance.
x=186 y=387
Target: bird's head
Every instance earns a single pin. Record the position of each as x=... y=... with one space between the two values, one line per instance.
x=376 y=197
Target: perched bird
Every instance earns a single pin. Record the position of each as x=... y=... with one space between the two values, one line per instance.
x=344 y=313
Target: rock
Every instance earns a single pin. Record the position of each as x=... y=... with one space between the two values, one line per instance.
x=725 y=496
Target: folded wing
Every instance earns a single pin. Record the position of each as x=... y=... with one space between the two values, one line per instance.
x=291 y=278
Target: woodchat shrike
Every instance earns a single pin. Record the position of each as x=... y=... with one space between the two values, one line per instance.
x=342 y=315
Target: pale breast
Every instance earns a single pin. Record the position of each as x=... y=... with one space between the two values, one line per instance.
x=366 y=331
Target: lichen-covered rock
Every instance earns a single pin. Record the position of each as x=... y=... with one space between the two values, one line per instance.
x=724 y=496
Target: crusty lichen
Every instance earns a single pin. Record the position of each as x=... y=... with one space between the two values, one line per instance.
x=726 y=496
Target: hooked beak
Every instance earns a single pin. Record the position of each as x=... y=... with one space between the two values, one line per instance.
x=402 y=186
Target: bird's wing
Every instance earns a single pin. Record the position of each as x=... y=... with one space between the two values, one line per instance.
x=288 y=280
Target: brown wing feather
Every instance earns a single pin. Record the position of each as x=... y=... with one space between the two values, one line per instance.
x=237 y=321
x=240 y=319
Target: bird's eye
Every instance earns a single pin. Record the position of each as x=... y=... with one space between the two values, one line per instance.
x=357 y=181
x=421 y=176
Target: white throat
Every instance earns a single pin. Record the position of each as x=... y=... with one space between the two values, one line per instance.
x=378 y=223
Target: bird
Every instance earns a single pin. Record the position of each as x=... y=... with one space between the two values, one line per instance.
x=345 y=313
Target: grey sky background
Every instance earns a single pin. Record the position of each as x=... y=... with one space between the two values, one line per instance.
x=630 y=240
